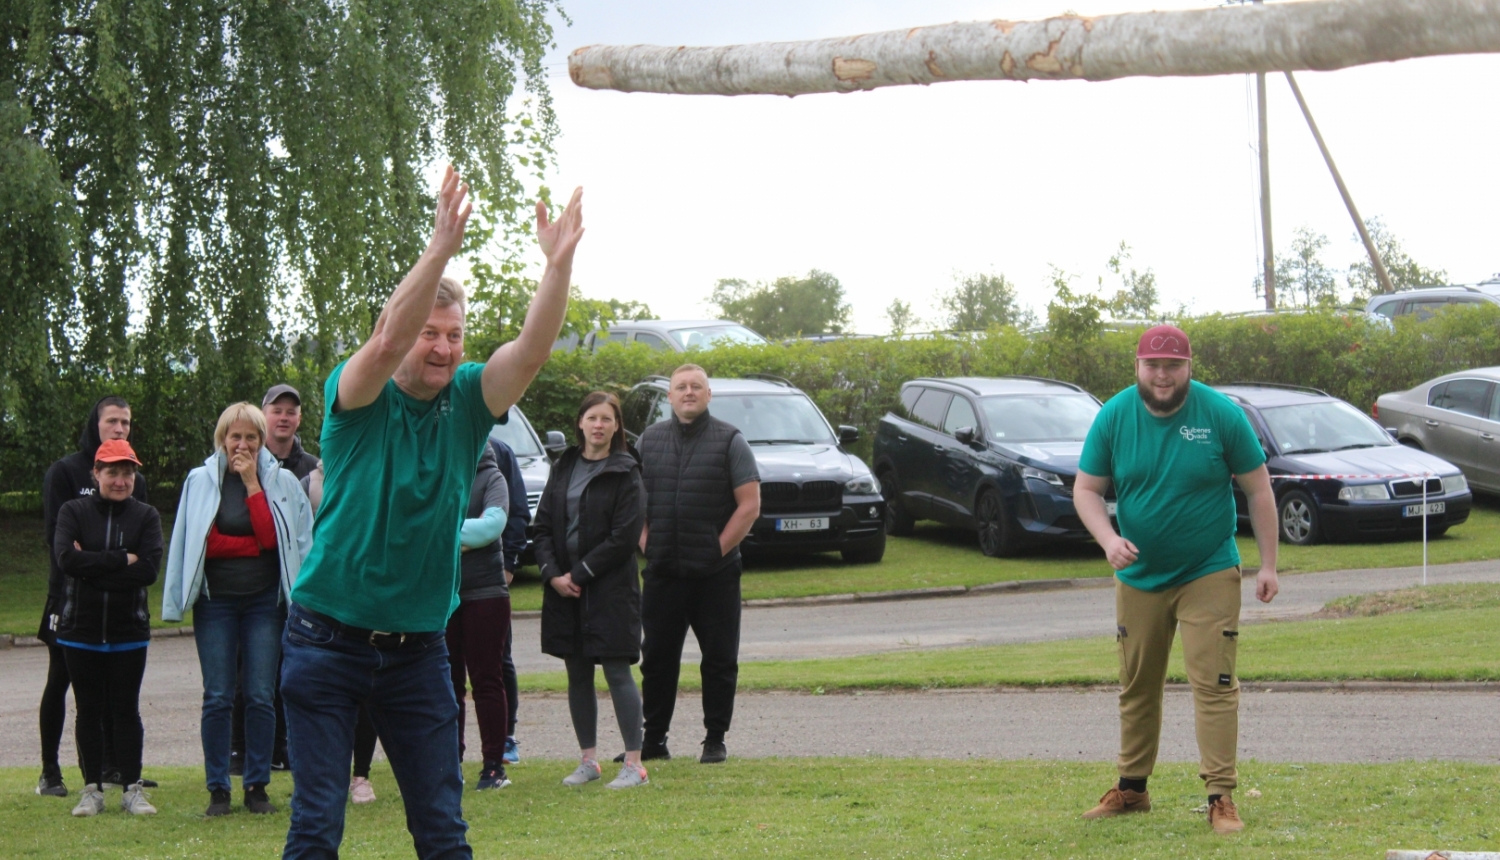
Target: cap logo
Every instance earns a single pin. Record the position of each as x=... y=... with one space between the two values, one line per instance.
x=1167 y=342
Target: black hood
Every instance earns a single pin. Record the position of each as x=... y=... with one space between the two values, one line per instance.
x=88 y=440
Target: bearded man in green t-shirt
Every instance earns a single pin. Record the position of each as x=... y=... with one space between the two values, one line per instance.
x=1171 y=446
x=404 y=423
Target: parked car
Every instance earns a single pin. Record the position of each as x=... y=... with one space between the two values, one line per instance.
x=815 y=496
x=1309 y=432
x=531 y=455
x=1426 y=301
x=995 y=455
x=1456 y=417
x=674 y=335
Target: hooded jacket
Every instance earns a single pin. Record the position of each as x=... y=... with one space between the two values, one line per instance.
x=513 y=539
x=104 y=595
x=482 y=568
x=199 y=505
x=70 y=478
x=297 y=461
x=605 y=620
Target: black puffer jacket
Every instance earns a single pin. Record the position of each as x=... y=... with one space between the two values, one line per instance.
x=686 y=471
x=104 y=597
x=605 y=621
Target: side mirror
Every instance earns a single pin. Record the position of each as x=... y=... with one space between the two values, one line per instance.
x=1394 y=434
x=848 y=435
x=556 y=442
x=966 y=435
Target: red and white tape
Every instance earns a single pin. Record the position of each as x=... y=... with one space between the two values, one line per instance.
x=1346 y=477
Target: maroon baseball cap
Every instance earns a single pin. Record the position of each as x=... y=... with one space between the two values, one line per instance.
x=1164 y=341
x=116 y=451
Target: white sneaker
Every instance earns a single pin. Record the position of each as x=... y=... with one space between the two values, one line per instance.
x=631 y=775
x=588 y=771
x=135 y=801
x=361 y=791
x=90 y=802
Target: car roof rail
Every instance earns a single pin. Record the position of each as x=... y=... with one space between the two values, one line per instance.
x=1300 y=388
x=969 y=388
x=1071 y=385
x=767 y=377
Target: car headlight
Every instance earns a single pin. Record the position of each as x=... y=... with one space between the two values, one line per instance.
x=1455 y=483
x=864 y=484
x=1042 y=475
x=1365 y=493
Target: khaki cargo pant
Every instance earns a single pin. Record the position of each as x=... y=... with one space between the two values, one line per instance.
x=1208 y=611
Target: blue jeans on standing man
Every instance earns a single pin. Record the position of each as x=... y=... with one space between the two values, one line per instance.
x=233 y=634
x=325 y=676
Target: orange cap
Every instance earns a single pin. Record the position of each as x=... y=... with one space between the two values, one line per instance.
x=116 y=451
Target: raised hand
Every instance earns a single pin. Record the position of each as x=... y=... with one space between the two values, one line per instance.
x=560 y=238
x=452 y=215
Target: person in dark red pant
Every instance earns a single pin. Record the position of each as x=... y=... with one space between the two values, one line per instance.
x=478 y=628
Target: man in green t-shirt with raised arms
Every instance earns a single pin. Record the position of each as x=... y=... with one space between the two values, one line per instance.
x=404 y=424
x=1171 y=447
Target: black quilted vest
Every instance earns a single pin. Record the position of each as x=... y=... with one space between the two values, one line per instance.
x=688 y=496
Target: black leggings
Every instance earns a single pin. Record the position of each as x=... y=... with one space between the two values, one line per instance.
x=54 y=712
x=108 y=684
x=364 y=742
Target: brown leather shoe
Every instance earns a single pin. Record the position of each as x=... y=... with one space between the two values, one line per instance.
x=1223 y=817
x=1117 y=802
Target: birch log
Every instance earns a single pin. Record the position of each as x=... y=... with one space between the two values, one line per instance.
x=1284 y=37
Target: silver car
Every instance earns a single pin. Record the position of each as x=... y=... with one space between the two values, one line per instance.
x=1456 y=417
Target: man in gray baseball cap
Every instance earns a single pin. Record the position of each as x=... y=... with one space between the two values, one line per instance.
x=283 y=408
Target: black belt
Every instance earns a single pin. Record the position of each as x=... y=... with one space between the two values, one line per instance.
x=384 y=640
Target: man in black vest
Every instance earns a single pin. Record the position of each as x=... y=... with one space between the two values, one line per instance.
x=703 y=494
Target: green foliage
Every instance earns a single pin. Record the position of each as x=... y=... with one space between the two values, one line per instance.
x=786 y=307
x=901 y=317
x=978 y=302
x=1137 y=297
x=1303 y=280
x=1405 y=273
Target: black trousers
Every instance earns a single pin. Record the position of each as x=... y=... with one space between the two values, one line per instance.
x=710 y=607
x=108 y=683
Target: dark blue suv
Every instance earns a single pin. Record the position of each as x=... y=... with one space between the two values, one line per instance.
x=995 y=455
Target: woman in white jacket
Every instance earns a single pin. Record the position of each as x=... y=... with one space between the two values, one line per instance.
x=243 y=527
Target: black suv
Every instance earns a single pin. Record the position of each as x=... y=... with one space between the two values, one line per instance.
x=815 y=496
x=995 y=455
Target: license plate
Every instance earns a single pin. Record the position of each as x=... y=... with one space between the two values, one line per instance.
x=1110 y=507
x=807 y=524
x=1432 y=508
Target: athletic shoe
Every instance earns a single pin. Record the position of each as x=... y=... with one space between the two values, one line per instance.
x=90 y=802
x=631 y=775
x=110 y=780
x=51 y=785
x=1118 y=802
x=512 y=751
x=714 y=752
x=492 y=776
x=219 y=803
x=136 y=802
x=236 y=763
x=652 y=751
x=361 y=791
x=279 y=759
x=588 y=771
x=257 y=802
x=148 y=783
x=1223 y=817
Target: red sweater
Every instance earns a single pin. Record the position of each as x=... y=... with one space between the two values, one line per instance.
x=221 y=545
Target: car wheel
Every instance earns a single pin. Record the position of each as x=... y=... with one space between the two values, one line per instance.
x=1412 y=443
x=868 y=553
x=999 y=533
x=1297 y=514
x=897 y=521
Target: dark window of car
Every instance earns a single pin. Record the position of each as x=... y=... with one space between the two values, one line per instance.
x=931 y=407
x=1386 y=309
x=1425 y=308
x=1037 y=418
x=1324 y=425
x=909 y=397
x=515 y=433
x=651 y=340
x=1466 y=396
x=960 y=414
x=637 y=409
x=663 y=409
x=773 y=417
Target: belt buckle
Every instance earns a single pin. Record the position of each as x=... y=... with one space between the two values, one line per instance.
x=400 y=640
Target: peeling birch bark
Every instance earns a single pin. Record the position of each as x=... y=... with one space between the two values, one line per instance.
x=1282 y=37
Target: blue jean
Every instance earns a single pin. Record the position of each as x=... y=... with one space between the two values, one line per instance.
x=233 y=634
x=325 y=677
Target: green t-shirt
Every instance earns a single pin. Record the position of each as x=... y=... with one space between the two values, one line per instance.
x=397 y=475
x=1172 y=479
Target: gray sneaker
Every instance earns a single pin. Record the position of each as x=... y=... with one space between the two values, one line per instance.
x=90 y=802
x=135 y=801
x=588 y=771
x=631 y=775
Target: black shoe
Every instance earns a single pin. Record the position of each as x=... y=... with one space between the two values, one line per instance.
x=492 y=776
x=236 y=763
x=256 y=800
x=279 y=759
x=147 y=783
x=713 y=753
x=50 y=784
x=218 y=803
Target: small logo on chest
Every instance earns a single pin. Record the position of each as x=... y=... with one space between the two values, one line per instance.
x=1195 y=434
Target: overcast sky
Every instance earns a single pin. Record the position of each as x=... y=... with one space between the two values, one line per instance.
x=896 y=191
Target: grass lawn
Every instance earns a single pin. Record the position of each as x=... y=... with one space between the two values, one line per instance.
x=824 y=808
x=1438 y=633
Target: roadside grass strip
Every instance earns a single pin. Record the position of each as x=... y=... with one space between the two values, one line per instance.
x=824 y=808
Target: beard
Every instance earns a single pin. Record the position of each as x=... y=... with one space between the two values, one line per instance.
x=1171 y=404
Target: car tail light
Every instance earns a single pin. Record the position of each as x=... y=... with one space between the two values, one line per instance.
x=1375 y=411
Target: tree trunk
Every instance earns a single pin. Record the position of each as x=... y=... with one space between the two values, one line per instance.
x=1316 y=34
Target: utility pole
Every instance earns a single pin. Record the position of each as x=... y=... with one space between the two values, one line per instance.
x=1268 y=277
x=1359 y=223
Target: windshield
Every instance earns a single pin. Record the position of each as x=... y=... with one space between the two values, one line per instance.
x=771 y=418
x=1330 y=425
x=517 y=435
x=1041 y=418
x=709 y=336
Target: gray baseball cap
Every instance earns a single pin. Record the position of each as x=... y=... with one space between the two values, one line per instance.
x=277 y=391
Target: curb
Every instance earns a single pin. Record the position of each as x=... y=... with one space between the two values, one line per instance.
x=11 y=640
x=1245 y=686
x=1023 y=585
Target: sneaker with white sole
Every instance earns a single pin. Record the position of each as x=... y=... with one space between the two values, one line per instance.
x=492 y=776
x=136 y=802
x=512 y=751
x=361 y=791
x=588 y=771
x=90 y=802
x=631 y=775
x=50 y=784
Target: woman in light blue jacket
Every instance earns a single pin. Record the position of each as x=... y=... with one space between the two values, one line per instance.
x=243 y=528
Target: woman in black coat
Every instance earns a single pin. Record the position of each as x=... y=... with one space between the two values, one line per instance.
x=588 y=527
